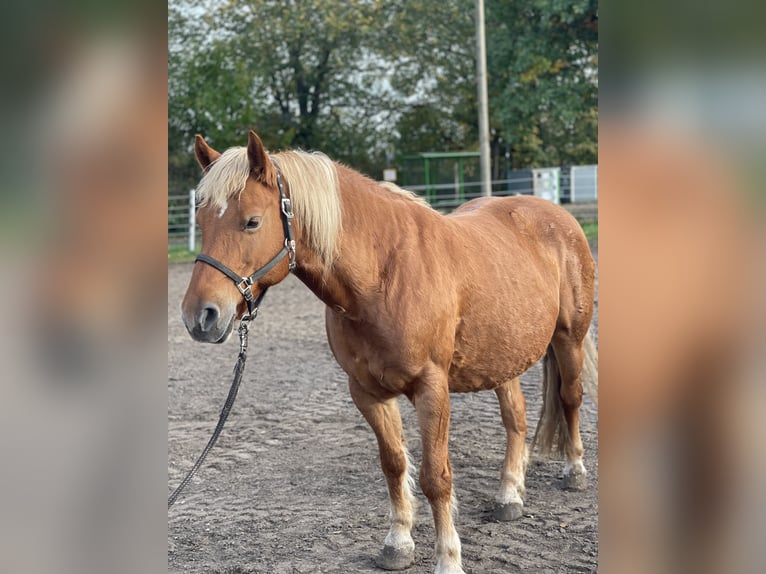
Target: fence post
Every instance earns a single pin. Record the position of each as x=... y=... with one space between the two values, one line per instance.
x=572 y=184
x=595 y=179
x=192 y=220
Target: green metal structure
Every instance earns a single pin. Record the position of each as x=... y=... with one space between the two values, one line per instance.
x=437 y=174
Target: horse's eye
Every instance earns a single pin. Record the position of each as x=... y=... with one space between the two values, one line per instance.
x=253 y=223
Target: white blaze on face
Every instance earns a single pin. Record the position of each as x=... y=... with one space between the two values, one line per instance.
x=223 y=209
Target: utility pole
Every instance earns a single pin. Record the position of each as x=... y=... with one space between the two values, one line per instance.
x=481 y=81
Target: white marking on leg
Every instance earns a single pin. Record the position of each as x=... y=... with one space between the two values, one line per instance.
x=512 y=489
x=575 y=467
x=448 y=548
x=409 y=483
x=399 y=536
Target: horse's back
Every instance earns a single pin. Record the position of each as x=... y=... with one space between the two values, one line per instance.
x=537 y=271
x=533 y=216
x=523 y=225
x=550 y=236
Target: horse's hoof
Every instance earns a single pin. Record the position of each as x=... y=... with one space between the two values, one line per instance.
x=396 y=558
x=575 y=481
x=451 y=568
x=509 y=511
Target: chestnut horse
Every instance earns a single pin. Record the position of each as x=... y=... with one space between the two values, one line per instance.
x=418 y=303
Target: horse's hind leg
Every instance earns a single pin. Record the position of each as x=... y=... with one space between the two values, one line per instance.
x=569 y=355
x=383 y=416
x=510 y=499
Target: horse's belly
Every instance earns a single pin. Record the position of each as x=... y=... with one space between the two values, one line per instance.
x=485 y=358
x=488 y=373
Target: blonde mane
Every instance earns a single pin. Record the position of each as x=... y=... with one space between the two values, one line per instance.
x=313 y=188
x=407 y=194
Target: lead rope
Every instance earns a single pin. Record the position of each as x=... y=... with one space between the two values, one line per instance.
x=288 y=249
x=239 y=368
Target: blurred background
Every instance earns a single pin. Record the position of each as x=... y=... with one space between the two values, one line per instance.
x=682 y=144
x=83 y=273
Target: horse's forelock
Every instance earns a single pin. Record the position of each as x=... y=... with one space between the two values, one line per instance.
x=225 y=178
x=313 y=186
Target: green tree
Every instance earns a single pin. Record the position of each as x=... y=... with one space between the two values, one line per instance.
x=355 y=79
x=434 y=57
x=301 y=72
x=543 y=62
x=209 y=92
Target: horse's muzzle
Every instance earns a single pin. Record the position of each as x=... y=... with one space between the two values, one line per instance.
x=208 y=324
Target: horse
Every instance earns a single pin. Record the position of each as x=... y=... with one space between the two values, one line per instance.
x=417 y=304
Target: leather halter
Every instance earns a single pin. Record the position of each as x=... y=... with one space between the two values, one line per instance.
x=244 y=284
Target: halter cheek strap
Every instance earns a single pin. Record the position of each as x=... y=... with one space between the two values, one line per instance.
x=244 y=284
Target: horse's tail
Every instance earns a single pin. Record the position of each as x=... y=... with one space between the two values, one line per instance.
x=552 y=432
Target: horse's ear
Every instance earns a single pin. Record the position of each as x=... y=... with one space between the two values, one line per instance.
x=205 y=154
x=260 y=163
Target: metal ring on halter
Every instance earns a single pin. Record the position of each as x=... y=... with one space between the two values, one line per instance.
x=247 y=293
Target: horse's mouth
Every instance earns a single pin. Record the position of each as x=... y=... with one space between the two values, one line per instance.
x=227 y=332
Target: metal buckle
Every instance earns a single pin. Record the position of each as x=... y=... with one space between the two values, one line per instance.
x=246 y=292
x=287 y=208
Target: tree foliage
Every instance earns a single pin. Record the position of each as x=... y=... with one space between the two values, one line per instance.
x=361 y=79
x=543 y=61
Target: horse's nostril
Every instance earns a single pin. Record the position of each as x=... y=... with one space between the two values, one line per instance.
x=208 y=317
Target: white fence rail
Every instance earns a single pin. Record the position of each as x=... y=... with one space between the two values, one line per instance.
x=576 y=184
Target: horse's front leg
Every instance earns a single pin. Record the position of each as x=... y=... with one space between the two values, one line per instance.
x=383 y=416
x=432 y=403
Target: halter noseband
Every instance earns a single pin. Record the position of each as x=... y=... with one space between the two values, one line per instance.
x=244 y=284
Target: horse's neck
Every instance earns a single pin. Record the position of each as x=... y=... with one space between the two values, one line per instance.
x=371 y=222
